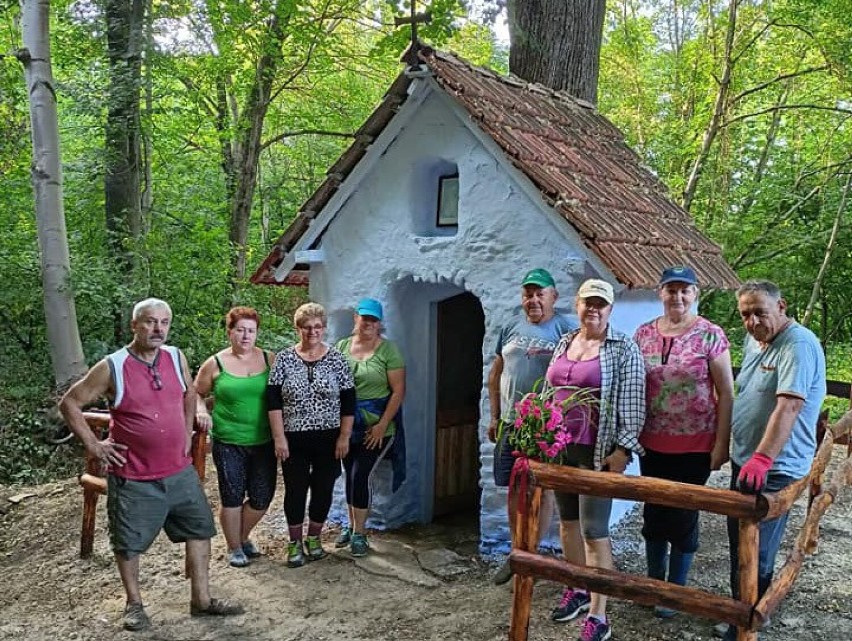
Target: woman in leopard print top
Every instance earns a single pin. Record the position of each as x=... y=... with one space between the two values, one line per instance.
x=311 y=401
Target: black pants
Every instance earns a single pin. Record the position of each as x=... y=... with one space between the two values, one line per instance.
x=310 y=466
x=359 y=465
x=675 y=525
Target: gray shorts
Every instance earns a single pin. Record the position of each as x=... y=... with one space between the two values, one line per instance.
x=138 y=510
x=593 y=512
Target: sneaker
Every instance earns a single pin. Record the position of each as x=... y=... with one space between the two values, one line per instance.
x=238 y=559
x=135 y=618
x=594 y=630
x=571 y=605
x=295 y=555
x=250 y=549
x=313 y=548
x=343 y=538
x=504 y=574
x=359 y=545
x=664 y=613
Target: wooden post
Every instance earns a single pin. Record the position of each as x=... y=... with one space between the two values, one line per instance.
x=525 y=537
x=748 y=559
x=199 y=452
x=90 y=506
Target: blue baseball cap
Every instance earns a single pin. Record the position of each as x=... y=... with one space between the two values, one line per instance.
x=679 y=274
x=369 y=307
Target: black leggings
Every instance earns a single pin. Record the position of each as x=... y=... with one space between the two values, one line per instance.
x=310 y=466
x=359 y=465
x=676 y=525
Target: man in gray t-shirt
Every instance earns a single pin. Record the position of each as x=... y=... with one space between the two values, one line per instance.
x=523 y=352
x=781 y=386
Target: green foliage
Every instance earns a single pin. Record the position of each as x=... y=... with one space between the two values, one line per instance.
x=26 y=457
x=657 y=83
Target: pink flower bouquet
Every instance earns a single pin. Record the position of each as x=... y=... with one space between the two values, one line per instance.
x=538 y=430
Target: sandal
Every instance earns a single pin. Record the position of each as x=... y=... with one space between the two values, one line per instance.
x=216 y=608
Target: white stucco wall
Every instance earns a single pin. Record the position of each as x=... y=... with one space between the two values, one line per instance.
x=378 y=245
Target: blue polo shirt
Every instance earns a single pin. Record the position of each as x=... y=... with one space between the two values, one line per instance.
x=792 y=364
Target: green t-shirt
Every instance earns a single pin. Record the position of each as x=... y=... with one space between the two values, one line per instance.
x=371 y=374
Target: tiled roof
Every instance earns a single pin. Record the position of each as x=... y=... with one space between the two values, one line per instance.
x=577 y=159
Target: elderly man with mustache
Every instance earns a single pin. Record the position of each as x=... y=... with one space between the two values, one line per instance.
x=151 y=483
x=524 y=348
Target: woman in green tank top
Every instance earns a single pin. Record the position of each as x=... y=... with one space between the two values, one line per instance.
x=243 y=451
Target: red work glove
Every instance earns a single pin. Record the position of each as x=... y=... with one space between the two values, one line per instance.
x=753 y=474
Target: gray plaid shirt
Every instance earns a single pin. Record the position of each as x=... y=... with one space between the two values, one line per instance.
x=622 y=409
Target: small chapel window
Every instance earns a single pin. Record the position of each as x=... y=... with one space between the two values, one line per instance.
x=448 y=201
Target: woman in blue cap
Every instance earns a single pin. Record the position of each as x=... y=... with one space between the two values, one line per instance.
x=690 y=393
x=379 y=373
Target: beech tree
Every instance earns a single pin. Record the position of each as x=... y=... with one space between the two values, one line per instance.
x=66 y=352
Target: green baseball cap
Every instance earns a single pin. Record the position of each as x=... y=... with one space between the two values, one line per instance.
x=539 y=277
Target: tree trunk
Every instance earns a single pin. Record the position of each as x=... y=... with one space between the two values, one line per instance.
x=719 y=109
x=826 y=259
x=122 y=172
x=66 y=352
x=558 y=43
x=244 y=156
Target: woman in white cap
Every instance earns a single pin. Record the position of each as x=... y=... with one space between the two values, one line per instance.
x=688 y=424
x=606 y=364
x=379 y=373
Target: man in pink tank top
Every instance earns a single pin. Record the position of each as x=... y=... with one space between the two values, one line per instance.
x=151 y=484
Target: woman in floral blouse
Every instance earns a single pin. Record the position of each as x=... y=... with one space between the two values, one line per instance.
x=690 y=392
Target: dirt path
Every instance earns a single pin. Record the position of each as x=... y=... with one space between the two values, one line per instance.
x=425 y=583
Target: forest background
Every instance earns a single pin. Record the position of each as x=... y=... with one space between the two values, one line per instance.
x=220 y=117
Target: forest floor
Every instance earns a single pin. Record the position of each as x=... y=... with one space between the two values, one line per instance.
x=419 y=583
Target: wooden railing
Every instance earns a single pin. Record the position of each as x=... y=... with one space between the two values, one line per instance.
x=94 y=483
x=747 y=613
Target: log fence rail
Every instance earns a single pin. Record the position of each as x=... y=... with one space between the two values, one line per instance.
x=747 y=613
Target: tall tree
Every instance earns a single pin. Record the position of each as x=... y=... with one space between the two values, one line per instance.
x=558 y=43
x=125 y=30
x=66 y=352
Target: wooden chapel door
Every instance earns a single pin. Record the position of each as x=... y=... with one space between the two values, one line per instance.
x=461 y=328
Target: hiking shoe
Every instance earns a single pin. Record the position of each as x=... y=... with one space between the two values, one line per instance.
x=313 y=548
x=504 y=574
x=594 y=630
x=238 y=559
x=343 y=539
x=571 y=605
x=216 y=608
x=250 y=549
x=359 y=545
x=295 y=555
x=135 y=617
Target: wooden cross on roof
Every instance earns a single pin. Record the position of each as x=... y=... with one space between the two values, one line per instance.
x=413 y=19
